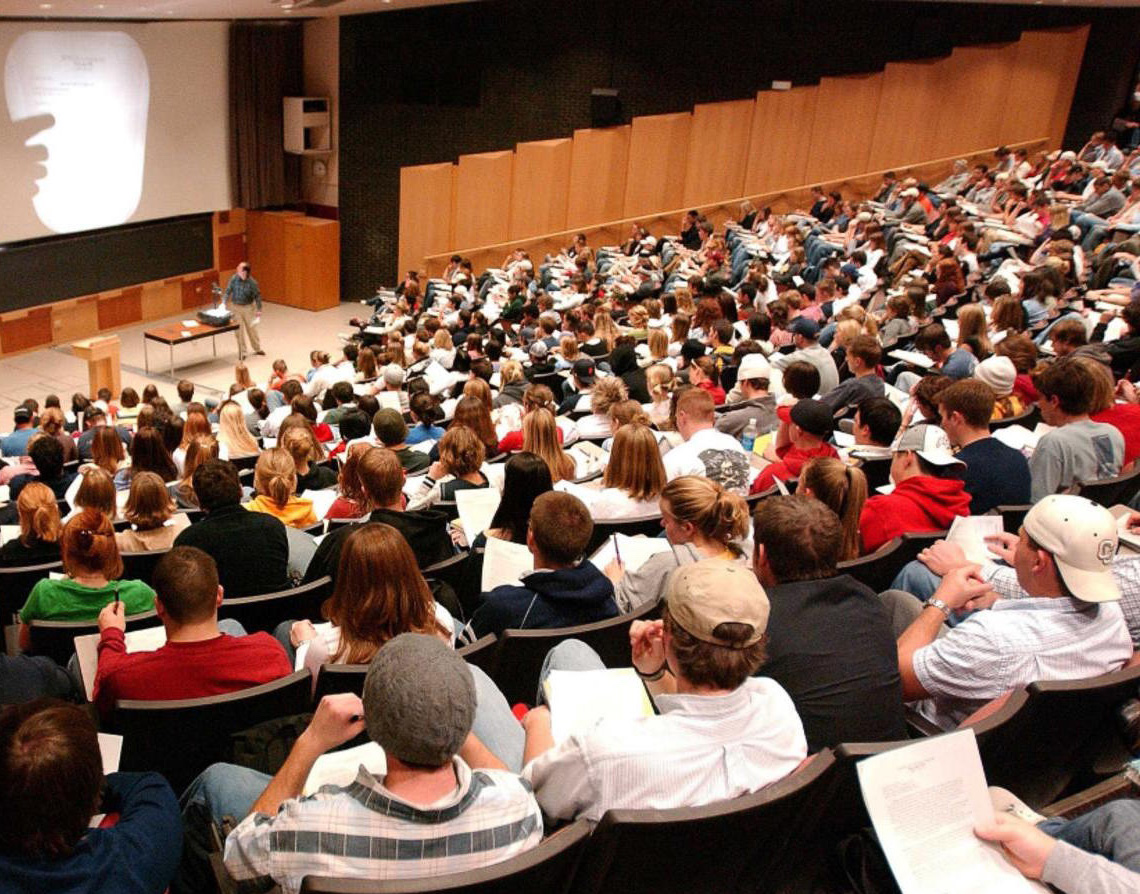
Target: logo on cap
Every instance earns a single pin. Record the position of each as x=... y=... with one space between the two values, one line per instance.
x=1106 y=551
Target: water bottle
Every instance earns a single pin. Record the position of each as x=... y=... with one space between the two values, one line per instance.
x=748 y=438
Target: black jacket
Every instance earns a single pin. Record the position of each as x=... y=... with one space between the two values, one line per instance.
x=424 y=529
x=562 y=598
x=251 y=549
x=623 y=361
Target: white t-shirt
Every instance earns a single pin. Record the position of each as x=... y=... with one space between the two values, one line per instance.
x=714 y=455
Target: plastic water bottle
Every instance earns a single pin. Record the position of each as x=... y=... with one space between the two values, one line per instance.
x=748 y=438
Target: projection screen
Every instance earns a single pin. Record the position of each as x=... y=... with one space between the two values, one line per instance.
x=107 y=123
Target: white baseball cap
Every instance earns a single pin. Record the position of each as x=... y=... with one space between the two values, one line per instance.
x=753 y=366
x=1081 y=537
x=929 y=442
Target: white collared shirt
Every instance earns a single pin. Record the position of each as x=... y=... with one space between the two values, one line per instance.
x=699 y=750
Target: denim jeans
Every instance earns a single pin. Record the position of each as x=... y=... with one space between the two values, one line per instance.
x=568 y=655
x=1111 y=830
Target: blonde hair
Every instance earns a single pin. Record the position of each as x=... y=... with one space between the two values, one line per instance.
x=635 y=463
x=442 y=339
x=638 y=317
x=845 y=331
x=606 y=393
x=660 y=380
x=39 y=514
x=707 y=506
x=627 y=412
x=972 y=324
x=568 y=346
x=658 y=343
x=299 y=441
x=540 y=437
x=1100 y=378
x=510 y=371
x=276 y=475
x=843 y=490
x=233 y=433
x=606 y=329
x=479 y=389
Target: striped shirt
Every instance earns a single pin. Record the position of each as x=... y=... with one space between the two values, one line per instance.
x=1013 y=644
x=364 y=831
x=699 y=750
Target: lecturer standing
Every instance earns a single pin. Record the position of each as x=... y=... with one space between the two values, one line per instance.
x=243 y=296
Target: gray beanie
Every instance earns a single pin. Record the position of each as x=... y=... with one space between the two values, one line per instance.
x=419 y=700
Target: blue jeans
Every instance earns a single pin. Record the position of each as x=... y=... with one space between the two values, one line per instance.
x=916 y=579
x=1111 y=830
x=568 y=655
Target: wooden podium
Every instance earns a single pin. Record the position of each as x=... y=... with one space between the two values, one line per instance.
x=102 y=356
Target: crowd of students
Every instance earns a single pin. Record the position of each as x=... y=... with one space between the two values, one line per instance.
x=857 y=352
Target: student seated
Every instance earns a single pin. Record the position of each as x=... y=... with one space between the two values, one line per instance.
x=201 y=657
x=305 y=450
x=419 y=706
x=698 y=662
x=802 y=436
x=53 y=785
x=756 y=405
x=633 y=479
x=392 y=432
x=47 y=457
x=928 y=492
x=863 y=357
x=251 y=549
x=565 y=589
x=40 y=529
x=526 y=477
x=149 y=509
x=275 y=479
x=706 y=452
x=459 y=467
x=829 y=641
x=94 y=567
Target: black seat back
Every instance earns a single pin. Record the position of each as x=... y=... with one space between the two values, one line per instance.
x=140 y=566
x=266 y=611
x=649 y=525
x=180 y=739
x=336 y=678
x=1110 y=492
x=17 y=583
x=56 y=639
x=878 y=569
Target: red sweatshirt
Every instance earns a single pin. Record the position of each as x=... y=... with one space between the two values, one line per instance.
x=792 y=460
x=185 y=670
x=1126 y=419
x=921 y=503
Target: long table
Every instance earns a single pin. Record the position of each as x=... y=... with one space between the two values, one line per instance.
x=179 y=333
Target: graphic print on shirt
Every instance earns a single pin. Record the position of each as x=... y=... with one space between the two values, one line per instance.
x=729 y=468
x=1106 y=465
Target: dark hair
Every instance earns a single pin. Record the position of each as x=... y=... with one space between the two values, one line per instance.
x=710 y=665
x=926 y=393
x=149 y=454
x=343 y=392
x=185 y=389
x=51 y=773
x=802 y=538
x=47 y=456
x=801 y=379
x=186 y=580
x=526 y=477
x=354 y=424
x=424 y=407
x=1070 y=383
x=216 y=484
x=881 y=417
x=931 y=338
x=561 y=526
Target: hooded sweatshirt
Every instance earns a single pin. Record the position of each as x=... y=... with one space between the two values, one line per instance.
x=560 y=598
x=920 y=503
x=623 y=361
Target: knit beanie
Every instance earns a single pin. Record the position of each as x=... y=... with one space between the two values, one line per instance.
x=419 y=700
x=997 y=372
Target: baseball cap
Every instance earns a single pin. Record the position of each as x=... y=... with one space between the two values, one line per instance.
x=999 y=373
x=910 y=193
x=393 y=374
x=22 y=413
x=538 y=349
x=753 y=366
x=1081 y=537
x=805 y=326
x=929 y=442
x=584 y=370
x=813 y=416
x=692 y=349
x=419 y=700
x=703 y=595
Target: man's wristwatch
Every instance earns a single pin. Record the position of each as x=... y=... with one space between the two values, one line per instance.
x=935 y=602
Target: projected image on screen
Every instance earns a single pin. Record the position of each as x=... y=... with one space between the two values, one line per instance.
x=95 y=85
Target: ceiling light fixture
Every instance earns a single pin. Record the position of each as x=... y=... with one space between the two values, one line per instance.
x=45 y=6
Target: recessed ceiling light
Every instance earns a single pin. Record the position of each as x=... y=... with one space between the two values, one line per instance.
x=45 y=6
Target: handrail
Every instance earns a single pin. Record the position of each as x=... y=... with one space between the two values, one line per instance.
x=433 y=263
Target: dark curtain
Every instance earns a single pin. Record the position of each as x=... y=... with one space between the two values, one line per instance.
x=265 y=66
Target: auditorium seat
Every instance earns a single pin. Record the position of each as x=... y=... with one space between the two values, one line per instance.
x=759 y=842
x=179 y=739
x=140 y=566
x=1109 y=492
x=1028 y=418
x=878 y=569
x=648 y=525
x=16 y=583
x=56 y=639
x=1011 y=516
x=547 y=868
x=452 y=573
x=267 y=610
x=335 y=678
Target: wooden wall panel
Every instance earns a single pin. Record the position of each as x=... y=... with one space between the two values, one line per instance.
x=972 y=98
x=540 y=187
x=781 y=127
x=426 y=208
x=1071 y=54
x=120 y=308
x=1032 y=87
x=75 y=319
x=841 y=134
x=483 y=197
x=598 y=163
x=905 y=126
x=716 y=164
x=24 y=330
x=658 y=150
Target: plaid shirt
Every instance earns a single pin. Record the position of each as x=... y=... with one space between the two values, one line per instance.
x=1013 y=644
x=364 y=831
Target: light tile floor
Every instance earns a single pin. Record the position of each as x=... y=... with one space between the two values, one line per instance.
x=286 y=332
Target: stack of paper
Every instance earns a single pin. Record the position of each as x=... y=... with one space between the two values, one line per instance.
x=322 y=500
x=579 y=700
x=970 y=533
x=505 y=563
x=1020 y=438
x=925 y=800
x=477 y=506
x=634 y=551
x=914 y=358
x=149 y=639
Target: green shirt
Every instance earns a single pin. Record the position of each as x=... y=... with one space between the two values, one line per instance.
x=66 y=600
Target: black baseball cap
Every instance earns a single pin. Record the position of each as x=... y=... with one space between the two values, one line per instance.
x=584 y=370
x=814 y=417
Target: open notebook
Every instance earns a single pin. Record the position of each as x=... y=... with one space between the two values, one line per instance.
x=579 y=700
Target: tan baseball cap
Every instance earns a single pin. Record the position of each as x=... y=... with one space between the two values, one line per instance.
x=708 y=593
x=1081 y=537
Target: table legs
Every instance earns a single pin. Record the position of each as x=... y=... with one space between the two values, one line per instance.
x=146 y=356
x=172 y=361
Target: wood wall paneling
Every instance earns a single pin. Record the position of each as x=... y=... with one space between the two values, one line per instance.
x=1042 y=58
x=715 y=166
x=655 y=175
x=161 y=299
x=75 y=319
x=483 y=197
x=781 y=129
x=120 y=308
x=904 y=129
x=598 y=165
x=1068 y=69
x=426 y=199
x=23 y=331
x=540 y=187
x=972 y=94
x=266 y=231
x=196 y=290
x=841 y=134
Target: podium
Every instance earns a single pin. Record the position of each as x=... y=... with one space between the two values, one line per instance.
x=102 y=356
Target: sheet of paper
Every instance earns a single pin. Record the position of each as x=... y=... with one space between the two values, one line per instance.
x=505 y=563
x=970 y=533
x=896 y=396
x=149 y=639
x=635 y=551
x=111 y=749
x=340 y=767
x=1016 y=436
x=912 y=357
x=843 y=439
x=389 y=400
x=5 y=494
x=476 y=509
x=9 y=533
x=322 y=500
x=580 y=699
x=925 y=800
x=303 y=649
